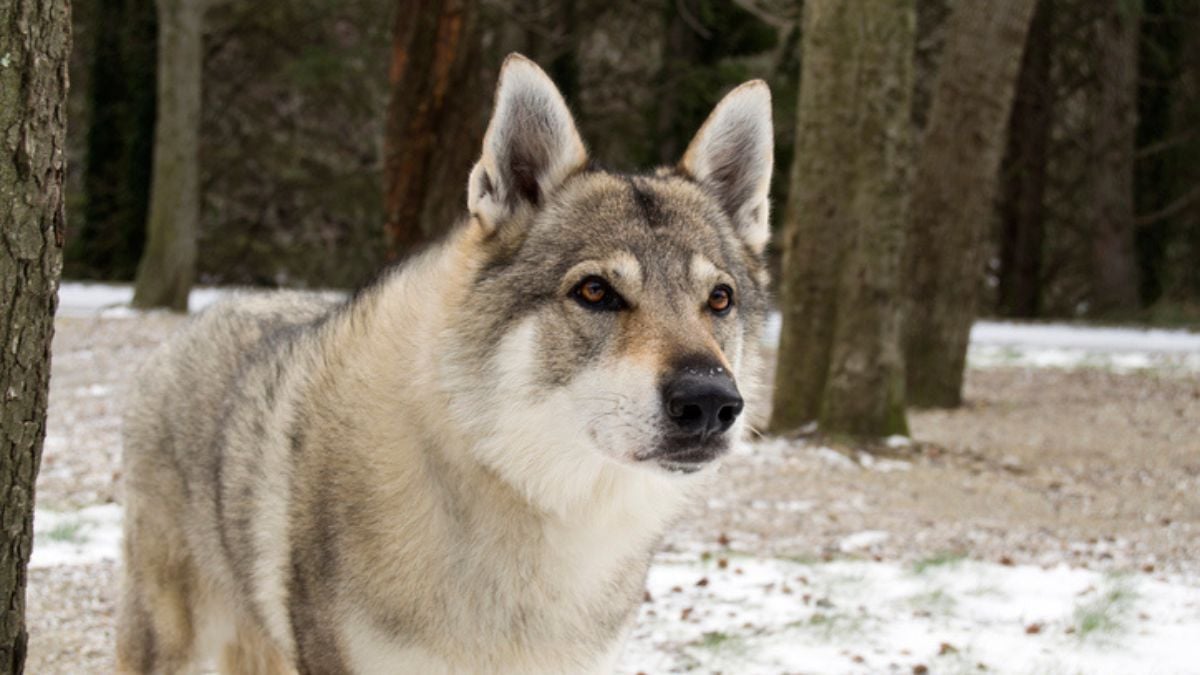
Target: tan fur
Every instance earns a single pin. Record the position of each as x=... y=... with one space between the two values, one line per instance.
x=454 y=471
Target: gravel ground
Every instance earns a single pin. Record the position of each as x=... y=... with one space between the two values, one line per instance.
x=1096 y=468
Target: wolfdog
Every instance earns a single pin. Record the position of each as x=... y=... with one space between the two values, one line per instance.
x=466 y=467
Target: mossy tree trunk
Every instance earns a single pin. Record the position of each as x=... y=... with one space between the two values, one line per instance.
x=34 y=43
x=168 y=265
x=840 y=361
x=954 y=191
x=435 y=119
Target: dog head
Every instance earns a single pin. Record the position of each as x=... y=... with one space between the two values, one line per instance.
x=613 y=317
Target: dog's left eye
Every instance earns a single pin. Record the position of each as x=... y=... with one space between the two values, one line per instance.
x=721 y=299
x=596 y=294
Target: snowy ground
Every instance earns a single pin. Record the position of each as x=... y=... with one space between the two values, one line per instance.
x=722 y=610
x=859 y=602
x=745 y=614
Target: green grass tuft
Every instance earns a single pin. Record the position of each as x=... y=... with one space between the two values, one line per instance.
x=714 y=639
x=1106 y=613
x=66 y=531
x=944 y=559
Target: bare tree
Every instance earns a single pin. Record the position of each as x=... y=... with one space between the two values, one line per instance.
x=168 y=264
x=120 y=142
x=34 y=43
x=435 y=118
x=956 y=179
x=840 y=360
x=1111 y=185
x=1023 y=207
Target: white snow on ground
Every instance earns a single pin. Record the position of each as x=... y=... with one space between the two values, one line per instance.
x=88 y=535
x=76 y=298
x=1060 y=345
x=736 y=614
x=1064 y=336
x=862 y=540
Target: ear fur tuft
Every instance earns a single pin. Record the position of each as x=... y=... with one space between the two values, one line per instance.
x=530 y=148
x=733 y=154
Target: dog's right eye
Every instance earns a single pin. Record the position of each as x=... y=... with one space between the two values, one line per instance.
x=595 y=293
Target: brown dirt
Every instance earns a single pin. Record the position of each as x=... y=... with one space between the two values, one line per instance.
x=1090 y=467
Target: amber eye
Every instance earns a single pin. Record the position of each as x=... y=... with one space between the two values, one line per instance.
x=595 y=293
x=721 y=299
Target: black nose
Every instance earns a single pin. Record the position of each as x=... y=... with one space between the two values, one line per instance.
x=702 y=403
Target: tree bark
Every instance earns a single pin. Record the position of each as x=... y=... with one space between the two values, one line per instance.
x=953 y=194
x=168 y=265
x=34 y=43
x=840 y=361
x=1023 y=210
x=435 y=119
x=1114 y=134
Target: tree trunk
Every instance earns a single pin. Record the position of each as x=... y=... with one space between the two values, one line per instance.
x=1111 y=193
x=680 y=53
x=120 y=148
x=34 y=43
x=953 y=194
x=168 y=265
x=1183 y=284
x=840 y=361
x=1023 y=210
x=435 y=119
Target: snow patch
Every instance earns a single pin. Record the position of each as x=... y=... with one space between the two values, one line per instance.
x=862 y=540
x=1062 y=345
x=730 y=613
x=1068 y=336
x=85 y=536
x=111 y=301
x=882 y=464
x=834 y=458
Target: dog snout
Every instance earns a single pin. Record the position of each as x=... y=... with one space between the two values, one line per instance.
x=702 y=402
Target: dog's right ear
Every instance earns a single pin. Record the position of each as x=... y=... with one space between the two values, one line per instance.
x=530 y=148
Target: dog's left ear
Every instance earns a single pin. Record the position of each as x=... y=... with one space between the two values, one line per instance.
x=530 y=147
x=732 y=155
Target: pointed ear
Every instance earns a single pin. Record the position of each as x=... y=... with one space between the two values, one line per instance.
x=732 y=156
x=530 y=147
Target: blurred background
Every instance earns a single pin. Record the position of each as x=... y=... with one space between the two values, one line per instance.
x=320 y=154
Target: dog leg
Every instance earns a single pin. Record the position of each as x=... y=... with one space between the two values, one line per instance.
x=252 y=653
